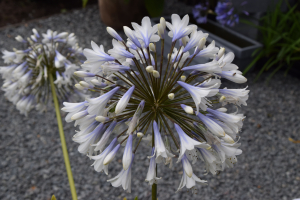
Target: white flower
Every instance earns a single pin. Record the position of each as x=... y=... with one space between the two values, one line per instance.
x=114 y=34
x=210 y=160
x=97 y=55
x=198 y=94
x=111 y=155
x=233 y=75
x=26 y=78
x=145 y=32
x=210 y=67
x=196 y=36
x=151 y=174
x=132 y=36
x=233 y=120
x=211 y=83
x=102 y=142
x=127 y=155
x=86 y=140
x=97 y=105
x=189 y=181
x=187 y=143
x=235 y=96
x=124 y=101
x=180 y=28
x=211 y=125
x=160 y=149
x=99 y=165
x=73 y=108
x=135 y=92
x=123 y=178
x=119 y=51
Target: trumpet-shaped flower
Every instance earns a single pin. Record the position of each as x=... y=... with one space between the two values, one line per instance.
x=211 y=125
x=180 y=28
x=235 y=96
x=160 y=149
x=151 y=174
x=127 y=156
x=187 y=143
x=99 y=165
x=198 y=94
x=123 y=178
x=146 y=32
x=189 y=181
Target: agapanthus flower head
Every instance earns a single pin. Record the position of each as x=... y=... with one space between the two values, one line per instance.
x=227 y=14
x=200 y=12
x=27 y=76
x=170 y=105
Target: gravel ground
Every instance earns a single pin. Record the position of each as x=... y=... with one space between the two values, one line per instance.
x=32 y=165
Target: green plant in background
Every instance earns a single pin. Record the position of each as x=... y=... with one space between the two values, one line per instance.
x=280 y=37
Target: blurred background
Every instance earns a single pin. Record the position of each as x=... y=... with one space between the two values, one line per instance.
x=263 y=34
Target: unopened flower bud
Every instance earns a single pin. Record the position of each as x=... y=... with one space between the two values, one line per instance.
x=155 y=74
x=83 y=74
x=149 y=69
x=185 y=40
x=171 y=96
x=183 y=78
x=20 y=39
x=228 y=139
x=187 y=109
x=79 y=87
x=162 y=22
x=220 y=53
x=113 y=33
x=35 y=32
x=224 y=110
x=79 y=115
x=208 y=148
x=201 y=43
x=96 y=82
x=111 y=155
x=152 y=47
x=222 y=98
x=101 y=118
x=84 y=84
x=140 y=134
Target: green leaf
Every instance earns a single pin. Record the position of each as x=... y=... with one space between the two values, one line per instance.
x=278 y=68
x=53 y=197
x=253 y=62
x=84 y=2
x=136 y=198
x=154 y=7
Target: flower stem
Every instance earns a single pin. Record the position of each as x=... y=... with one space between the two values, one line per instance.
x=154 y=191
x=63 y=141
x=154 y=185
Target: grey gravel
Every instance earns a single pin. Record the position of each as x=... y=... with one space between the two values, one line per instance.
x=32 y=166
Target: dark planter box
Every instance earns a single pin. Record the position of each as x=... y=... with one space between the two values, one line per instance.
x=233 y=41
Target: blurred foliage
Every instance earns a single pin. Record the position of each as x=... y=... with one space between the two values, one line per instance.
x=281 y=40
x=84 y=2
x=154 y=7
